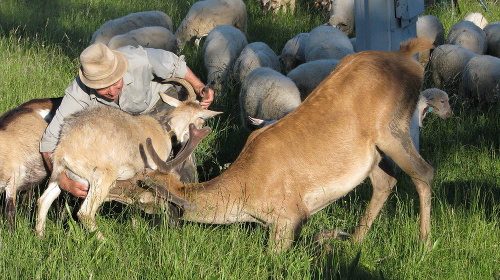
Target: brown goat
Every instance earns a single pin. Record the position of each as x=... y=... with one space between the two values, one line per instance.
x=355 y=116
x=22 y=164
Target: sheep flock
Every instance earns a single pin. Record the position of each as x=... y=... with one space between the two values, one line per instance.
x=466 y=60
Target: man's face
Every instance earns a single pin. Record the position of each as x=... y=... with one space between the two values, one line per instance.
x=112 y=92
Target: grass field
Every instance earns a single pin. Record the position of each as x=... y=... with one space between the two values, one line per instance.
x=39 y=46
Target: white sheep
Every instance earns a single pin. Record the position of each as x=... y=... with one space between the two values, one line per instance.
x=254 y=55
x=481 y=79
x=492 y=31
x=221 y=48
x=130 y=22
x=156 y=37
x=276 y=5
x=476 y=18
x=342 y=15
x=268 y=95
x=205 y=15
x=447 y=63
x=430 y=28
x=292 y=53
x=309 y=75
x=327 y=42
x=468 y=35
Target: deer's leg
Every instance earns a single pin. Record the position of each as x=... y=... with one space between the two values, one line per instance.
x=284 y=229
x=44 y=203
x=404 y=154
x=10 y=202
x=383 y=181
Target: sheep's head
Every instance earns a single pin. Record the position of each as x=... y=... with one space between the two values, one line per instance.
x=435 y=101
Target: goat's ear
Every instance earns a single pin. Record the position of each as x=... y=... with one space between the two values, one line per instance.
x=169 y=100
x=207 y=114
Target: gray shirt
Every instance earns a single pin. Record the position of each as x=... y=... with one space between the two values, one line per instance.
x=139 y=93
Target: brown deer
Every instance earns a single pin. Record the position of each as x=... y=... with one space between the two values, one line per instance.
x=318 y=153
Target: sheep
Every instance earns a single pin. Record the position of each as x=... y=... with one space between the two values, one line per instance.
x=309 y=75
x=205 y=15
x=447 y=63
x=79 y=151
x=481 y=79
x=468 y=35
x=433 y=100
x=267 y=94
x=342 y=15
x=130 y=22
x=327 y=42
x=254 y=55
x=492 y=31
x=277 y=5
x=429 y=27
x=221 y=49
x=157 y=37
x=280 y=182
x=476 y=18
x=22 y=163
x=292 y=53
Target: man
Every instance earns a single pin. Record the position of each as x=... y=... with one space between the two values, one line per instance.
x=128 y=79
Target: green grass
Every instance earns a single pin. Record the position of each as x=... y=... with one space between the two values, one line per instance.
x=39 y=46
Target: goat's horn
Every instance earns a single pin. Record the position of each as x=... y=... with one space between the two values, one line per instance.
x=195 y=136
x=165 y=194
x=185 y=84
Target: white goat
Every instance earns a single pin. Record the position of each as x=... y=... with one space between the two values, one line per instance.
x=22 y=164
x=221 y=49
x=255 y=55
x=83 y=138
x=156 y=37
x=360 y=112
x=267 y=94
x=205 y=15
x=130 y=22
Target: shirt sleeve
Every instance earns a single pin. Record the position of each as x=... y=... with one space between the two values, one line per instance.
x=166 y=64
x=74 y=100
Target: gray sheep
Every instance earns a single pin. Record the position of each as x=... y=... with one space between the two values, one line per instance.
x=430 y=28
x=221 y=48
x=492 y=31
x=481 y=79
x=327 y=42
x=205 y=15
x=447 y=63
x=309 y=75
x=255 y=55
x=156 y=37
x=468 y=35
x=268 y=95
x=277 y=5
x=476 y=18
x=130 y=22
x=293 y=53
x=342 y=15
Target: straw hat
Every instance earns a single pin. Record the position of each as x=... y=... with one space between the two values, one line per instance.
x=101 y=66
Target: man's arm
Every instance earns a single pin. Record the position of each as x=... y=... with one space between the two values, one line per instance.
x=206 y=93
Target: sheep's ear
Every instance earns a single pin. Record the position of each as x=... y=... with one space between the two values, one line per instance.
x=169 y=100
x=430 y=96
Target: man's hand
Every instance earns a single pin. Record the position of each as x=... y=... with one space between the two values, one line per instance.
x=207 y=97
x=75 y=188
